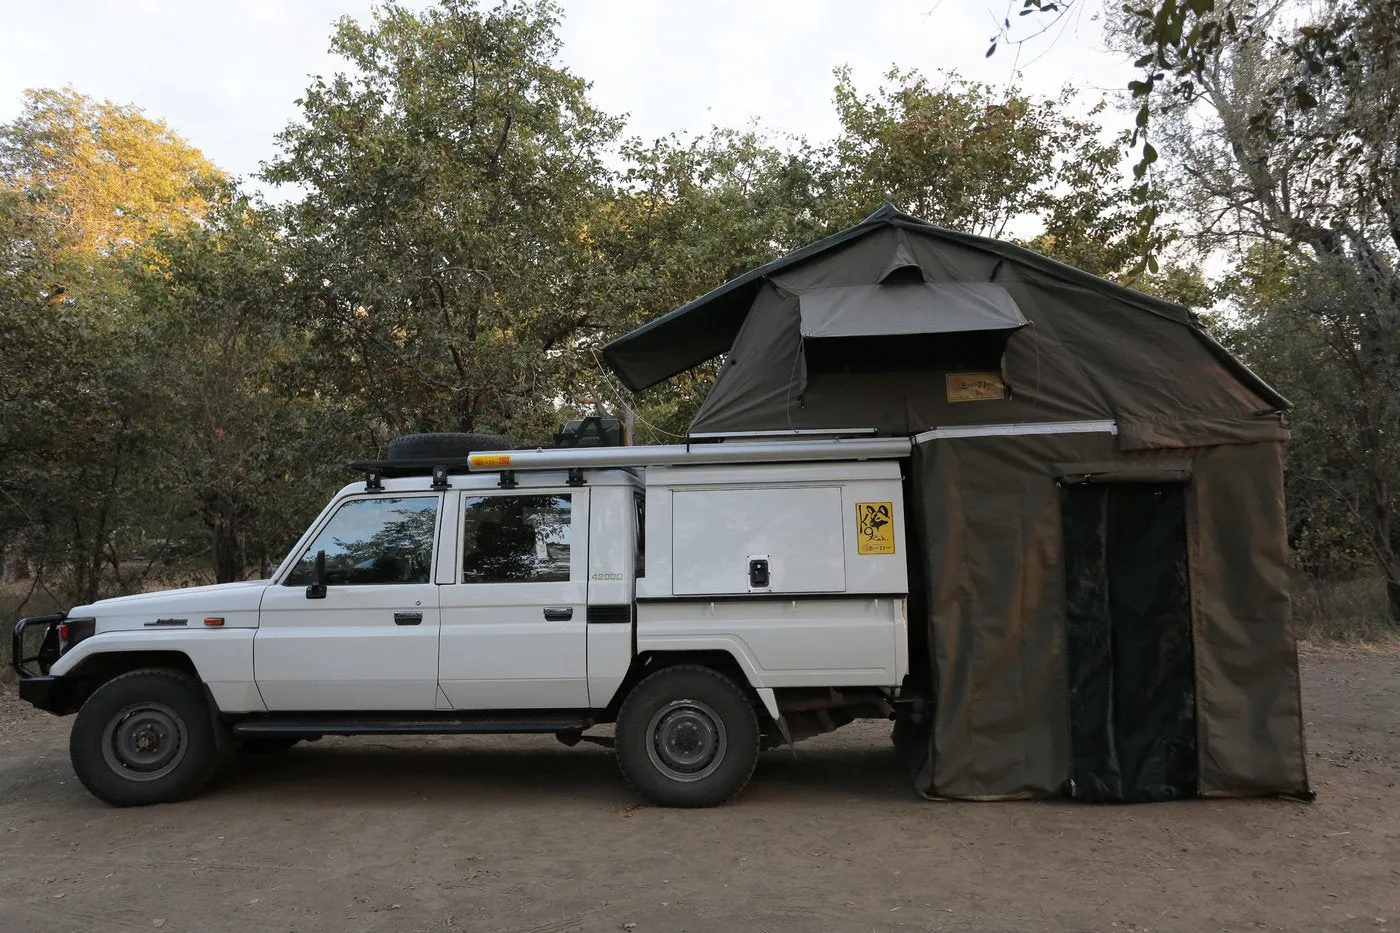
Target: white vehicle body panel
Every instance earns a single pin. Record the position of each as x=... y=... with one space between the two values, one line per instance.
x=790 y=642
x=237 y=603
x=222 y=655
x=787 y=499
x=498 y=650
x=797 y=530
x=346 y=651
x=613 y=541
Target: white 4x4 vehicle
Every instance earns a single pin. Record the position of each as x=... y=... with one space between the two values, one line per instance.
x=709 y=599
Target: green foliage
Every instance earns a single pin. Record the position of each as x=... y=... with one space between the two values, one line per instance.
x=452 y=176
x=244 y=445
x=1286 y=131
x=1293 y=324
x=686 y=217
x=106 y=175
x=966 y=156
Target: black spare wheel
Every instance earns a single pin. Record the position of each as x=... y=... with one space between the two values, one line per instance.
x=687 y=736
x=443 y=444
x=144 y=737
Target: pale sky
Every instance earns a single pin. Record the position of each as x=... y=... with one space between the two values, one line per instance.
x=225 y=75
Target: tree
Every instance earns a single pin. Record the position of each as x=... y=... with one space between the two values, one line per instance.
x=82 y=184
x=452 y=174
x=72 y=400
x=105 y=174
x=966 y=156
x=243 y=447
x=1276 y=300
x=687 y=215
x=1299 y=163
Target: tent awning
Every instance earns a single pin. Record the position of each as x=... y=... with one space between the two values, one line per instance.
x=907 y=309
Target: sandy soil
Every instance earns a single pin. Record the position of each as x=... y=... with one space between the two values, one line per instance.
x=524 y=834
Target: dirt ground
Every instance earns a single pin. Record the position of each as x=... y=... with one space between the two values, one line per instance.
x=524 y=834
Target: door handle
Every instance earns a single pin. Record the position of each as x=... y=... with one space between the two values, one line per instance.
x=408 y=618
x=559 y=615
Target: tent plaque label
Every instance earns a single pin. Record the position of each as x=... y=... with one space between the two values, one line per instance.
x=874 y=527
x=975 y=387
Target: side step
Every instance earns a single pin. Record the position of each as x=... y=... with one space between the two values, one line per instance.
x=415 y=723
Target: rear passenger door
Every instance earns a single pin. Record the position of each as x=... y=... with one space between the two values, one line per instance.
x=514 y=626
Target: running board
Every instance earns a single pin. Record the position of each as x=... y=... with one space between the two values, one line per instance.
x=515 y=721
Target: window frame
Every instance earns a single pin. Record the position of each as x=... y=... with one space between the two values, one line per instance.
x=315 y=534
x=578 y=540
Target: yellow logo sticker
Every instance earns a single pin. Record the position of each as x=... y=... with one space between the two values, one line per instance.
x=496 y=460
x=874 y=527
x=975 y=387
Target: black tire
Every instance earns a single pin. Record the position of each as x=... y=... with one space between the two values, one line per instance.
x=267 y=745
x=443 y=444
x=151 y=707
x=687 y=736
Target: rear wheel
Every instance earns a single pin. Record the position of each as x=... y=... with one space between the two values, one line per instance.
x=687 y=736
x=144 y=737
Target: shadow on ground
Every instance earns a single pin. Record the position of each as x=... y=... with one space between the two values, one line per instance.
x=366 y=771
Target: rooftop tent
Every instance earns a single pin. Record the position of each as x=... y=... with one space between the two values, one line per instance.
x=1099 y=602
x=1092 y=349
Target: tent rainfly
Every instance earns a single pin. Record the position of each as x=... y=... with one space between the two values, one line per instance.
x=1099 y=600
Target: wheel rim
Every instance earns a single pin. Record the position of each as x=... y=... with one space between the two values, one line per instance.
x=144 y=742
x=687 y=740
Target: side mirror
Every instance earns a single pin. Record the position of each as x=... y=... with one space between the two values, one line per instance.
x=317 y=589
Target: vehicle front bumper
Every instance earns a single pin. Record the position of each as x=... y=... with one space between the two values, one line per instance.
x=57 y=695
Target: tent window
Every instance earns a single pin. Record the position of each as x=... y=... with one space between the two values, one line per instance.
x=905 y=274
x=973 y=352
x=907 y=325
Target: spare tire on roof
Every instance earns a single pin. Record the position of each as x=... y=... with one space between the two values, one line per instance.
x=446 y=444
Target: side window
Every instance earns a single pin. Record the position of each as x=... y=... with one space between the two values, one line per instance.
x=374 y=541
x=516 y=539
x=641 y=570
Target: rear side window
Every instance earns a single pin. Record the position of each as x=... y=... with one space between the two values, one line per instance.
x=641 y=570
x=516 y=539
x=370 y=541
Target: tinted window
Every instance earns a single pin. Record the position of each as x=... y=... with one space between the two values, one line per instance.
x=641 y=569
x=516 y=539
x=374 y=541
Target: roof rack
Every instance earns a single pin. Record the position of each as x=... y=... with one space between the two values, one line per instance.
x=769 y=451
x=576 y=459
x=794 y=433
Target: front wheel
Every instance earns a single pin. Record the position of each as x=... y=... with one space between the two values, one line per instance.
x=144 y=737
x=687 y=736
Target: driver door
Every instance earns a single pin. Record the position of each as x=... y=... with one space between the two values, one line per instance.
x=371 y=643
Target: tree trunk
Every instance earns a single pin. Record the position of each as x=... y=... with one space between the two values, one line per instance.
x=222 y=521
x=16 y=569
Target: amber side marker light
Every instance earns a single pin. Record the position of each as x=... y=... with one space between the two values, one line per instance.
x=214 y=621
